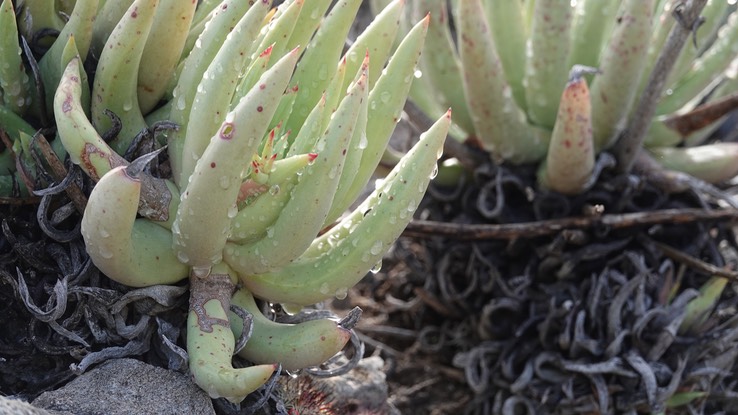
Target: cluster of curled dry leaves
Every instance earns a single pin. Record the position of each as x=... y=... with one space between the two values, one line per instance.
x=503 y=299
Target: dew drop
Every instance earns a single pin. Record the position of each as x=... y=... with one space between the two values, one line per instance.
x=128 y=105
x=105 y=253
x=376 y=248
x=377 y=267
x=200 y=272
x=232 y=211
x=181 y=103
x=182 y=257
x=291 y=309
x=323 y=73
x=363 y=142
x=274 y=190
x=104 y=233
x=332 y=172
x=385 y=96
x=324 y=288
x=341 y=293
x=224 y=182
x=434 y=172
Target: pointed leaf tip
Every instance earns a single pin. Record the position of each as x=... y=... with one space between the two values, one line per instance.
x=267 y=51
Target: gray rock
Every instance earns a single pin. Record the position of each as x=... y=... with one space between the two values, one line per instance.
x=15 y=407
x=125 y=387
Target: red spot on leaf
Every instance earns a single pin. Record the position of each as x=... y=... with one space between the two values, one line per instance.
x=567 y=143
x=260 y=108
x=134 y=13
x=67 y=105
x=212 y=164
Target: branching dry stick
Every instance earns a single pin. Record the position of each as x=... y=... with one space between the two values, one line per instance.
x=631 y=140
x=423 y=228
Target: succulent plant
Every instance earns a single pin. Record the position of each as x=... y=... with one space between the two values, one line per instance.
x=14 y=98
x=271 y=135
x=506 y=76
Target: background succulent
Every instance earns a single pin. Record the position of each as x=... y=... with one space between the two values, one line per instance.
x=508 y=70
x=268 y=143
x=539 y=277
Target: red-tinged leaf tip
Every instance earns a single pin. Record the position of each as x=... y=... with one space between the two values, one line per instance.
x=274 y=156
x=267 y=51
x=426 y=20
x=448 y=113
x=365 y=63
x=312 y=156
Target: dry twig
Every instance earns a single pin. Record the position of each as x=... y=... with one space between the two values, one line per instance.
x=462 y=231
